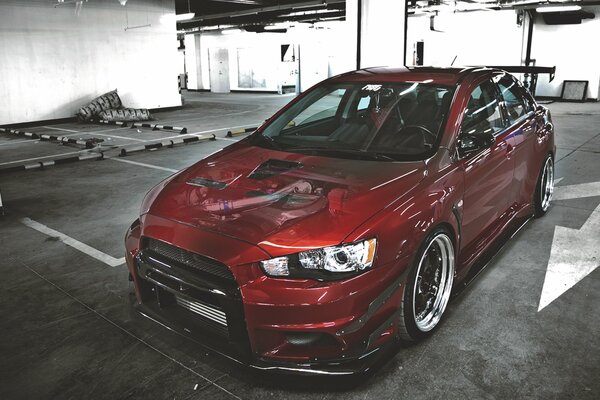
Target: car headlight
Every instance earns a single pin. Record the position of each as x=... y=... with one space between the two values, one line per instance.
x=345 y=259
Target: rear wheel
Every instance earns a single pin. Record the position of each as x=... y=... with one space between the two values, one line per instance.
x=544 y=188
x=428 y=287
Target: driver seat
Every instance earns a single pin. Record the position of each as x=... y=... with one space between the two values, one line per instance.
x=353 y=132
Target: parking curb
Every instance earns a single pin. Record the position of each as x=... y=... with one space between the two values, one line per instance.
x=88 y=143
x=241 y=131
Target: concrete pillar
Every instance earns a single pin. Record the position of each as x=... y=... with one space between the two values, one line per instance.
x=380 y=31
x=191 y=62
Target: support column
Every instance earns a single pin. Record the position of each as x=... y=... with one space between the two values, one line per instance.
x=380 y=31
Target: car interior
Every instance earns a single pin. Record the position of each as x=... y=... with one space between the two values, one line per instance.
x=403 y=119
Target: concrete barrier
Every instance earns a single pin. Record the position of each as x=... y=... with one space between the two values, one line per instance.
x=241 y=131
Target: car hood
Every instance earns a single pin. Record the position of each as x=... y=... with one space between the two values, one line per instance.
x=283 y=202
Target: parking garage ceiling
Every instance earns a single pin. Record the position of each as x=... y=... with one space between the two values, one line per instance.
x=421 y=6
x=254 y=15
x=257 y=13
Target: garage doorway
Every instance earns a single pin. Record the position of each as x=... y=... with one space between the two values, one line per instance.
x=218 y=61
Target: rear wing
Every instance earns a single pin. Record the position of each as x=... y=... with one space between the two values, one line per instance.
x=530 y=74
x=521 y=69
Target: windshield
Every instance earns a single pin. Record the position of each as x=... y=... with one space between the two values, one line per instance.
x=382 y=121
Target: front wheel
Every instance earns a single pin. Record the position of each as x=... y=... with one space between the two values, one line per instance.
x=428 y=287
x=544 y=188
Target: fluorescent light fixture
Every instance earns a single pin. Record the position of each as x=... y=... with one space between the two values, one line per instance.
x=551 y=9
x=231 y=31
x=184 y=17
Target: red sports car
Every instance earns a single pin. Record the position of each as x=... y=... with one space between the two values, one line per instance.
x=345 y=221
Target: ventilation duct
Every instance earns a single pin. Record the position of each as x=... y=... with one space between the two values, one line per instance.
x=566 y=18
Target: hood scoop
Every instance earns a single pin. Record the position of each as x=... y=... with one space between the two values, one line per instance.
x=198 y=181
x=273 y=167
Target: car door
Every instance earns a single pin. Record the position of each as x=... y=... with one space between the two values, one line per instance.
x=488 y=171
x=520 y=114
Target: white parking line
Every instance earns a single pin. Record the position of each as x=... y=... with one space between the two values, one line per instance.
x=13 y=142
x=199 y=133
x=69 y=241
x=128 y=138
x=59 y=129
x=44 y=157
x=144 y=164
x=121 y=137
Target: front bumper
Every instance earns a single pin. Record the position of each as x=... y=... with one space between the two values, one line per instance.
x=334 y=367
x=288 y=326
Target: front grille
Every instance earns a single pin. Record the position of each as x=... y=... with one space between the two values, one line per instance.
x=191 y=293
x=188 y=259
x=203 y=310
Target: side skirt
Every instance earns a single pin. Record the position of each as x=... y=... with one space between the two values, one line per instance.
x=487 y=256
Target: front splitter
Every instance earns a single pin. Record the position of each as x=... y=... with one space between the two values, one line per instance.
x=345 y=366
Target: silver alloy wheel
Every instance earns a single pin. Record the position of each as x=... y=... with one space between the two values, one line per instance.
x=547 y=184
x=433 y=282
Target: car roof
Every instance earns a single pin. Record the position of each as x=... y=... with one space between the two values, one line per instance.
x=435 y=75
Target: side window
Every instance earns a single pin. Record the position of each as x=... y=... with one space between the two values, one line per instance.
x=363 y=103
x=528 y=98
x=513 y=99
x=483 y=112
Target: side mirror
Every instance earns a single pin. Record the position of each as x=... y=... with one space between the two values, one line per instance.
x=470 y=143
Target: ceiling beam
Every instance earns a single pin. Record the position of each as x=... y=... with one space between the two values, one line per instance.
x=244 y=2
x=201 y=20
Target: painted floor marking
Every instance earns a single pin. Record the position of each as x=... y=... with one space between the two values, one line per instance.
x=78 y=133
x=177 y=121
x=44 y=157
x=36 y=140
x=144 y=165
x=199 y=134
x=76 y=244
x=18 y=142
x=120 y=137
x=574 y=253
x=60 y=129
x=568 y=192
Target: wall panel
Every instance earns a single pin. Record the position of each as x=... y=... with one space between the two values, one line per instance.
x=53 y=60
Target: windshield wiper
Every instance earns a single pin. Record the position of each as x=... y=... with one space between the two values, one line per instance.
x=349 y=152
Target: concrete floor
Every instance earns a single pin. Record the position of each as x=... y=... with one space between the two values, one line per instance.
x=68 y=330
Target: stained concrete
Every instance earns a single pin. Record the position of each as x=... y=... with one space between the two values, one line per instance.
x=68 y=330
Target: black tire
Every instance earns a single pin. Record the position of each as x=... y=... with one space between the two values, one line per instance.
x=544 y=187
x=411 y=328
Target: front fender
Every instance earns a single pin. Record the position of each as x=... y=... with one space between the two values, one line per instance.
x=401 y=227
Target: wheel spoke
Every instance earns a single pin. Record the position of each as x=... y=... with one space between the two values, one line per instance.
x=547 y=184
x=433 y=282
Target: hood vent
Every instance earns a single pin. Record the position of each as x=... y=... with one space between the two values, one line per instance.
x=207 y=183
x=273 y=167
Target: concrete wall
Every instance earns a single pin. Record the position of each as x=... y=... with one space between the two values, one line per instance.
x=382 y=33
x=474 y=38
x=323 y=53
x=265 y=46
x=574 y=51
x=494 y=38
x=52 y=60
x=191 y=66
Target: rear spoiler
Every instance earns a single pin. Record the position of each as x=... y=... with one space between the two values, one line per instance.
x=521 y=69
x=531 y=73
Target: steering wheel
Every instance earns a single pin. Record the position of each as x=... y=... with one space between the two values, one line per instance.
x=427 y=133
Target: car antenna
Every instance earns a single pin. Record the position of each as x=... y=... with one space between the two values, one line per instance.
x=451 y=64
